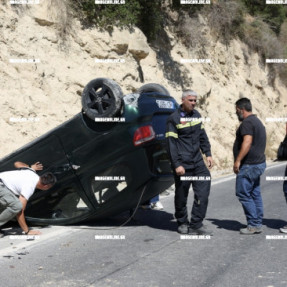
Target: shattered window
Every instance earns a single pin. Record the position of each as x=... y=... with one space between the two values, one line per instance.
x=110 y=183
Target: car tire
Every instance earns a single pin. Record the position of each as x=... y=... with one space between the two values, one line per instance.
x=102 y=97
x=149 y=88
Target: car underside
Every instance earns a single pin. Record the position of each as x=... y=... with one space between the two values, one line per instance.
x=107 y=159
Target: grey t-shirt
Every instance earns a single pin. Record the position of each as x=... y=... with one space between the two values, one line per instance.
x=254 y=127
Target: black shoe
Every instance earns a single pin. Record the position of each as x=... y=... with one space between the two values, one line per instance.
x=200 y=231
x=183 y=228
x=1 y=234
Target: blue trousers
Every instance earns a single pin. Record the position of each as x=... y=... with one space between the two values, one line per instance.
x=248 y=192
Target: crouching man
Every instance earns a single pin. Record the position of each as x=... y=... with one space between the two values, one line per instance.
x=16 y=187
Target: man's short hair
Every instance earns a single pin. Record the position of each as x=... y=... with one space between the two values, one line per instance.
x=187 y=93
x=244 y=104
x=48 y=178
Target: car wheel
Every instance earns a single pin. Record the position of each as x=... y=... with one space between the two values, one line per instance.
x=149 y=88
x=102 y=97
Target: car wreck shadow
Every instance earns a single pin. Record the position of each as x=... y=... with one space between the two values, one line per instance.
x=158 y=219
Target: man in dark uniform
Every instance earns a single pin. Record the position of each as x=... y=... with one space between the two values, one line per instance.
x=249 y=165
x=186 y=138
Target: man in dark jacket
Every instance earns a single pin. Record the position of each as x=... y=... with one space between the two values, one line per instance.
x=186 y=138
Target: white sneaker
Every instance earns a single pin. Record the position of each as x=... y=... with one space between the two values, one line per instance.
x=283 y=229
x=156 y=205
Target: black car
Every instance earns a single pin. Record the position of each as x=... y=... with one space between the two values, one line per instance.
x=106 y=159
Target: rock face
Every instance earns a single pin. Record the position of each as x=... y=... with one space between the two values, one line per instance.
x=62 y=57
x=138 y=46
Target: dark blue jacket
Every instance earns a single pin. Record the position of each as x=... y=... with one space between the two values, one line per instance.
x=186 y=139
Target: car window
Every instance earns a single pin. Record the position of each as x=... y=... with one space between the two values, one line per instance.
x=60 y=204
x=110 y=183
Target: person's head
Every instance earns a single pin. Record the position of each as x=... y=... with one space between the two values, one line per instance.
x=243 y=108
x=46 y=181
x=189 y=98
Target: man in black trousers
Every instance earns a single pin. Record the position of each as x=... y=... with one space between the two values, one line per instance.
x=186 y=137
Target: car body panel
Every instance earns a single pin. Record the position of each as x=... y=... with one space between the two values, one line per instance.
x=80 y=150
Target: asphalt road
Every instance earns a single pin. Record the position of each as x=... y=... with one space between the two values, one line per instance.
x=149 y=252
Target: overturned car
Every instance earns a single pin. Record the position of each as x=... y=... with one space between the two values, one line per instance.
x=106 y=159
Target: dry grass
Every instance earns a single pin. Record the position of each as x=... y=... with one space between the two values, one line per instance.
x=192 y=35
x=225 y=19
x=260 y=38
x=61 y=12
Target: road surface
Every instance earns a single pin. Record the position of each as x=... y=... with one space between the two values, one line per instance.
x=149 y=252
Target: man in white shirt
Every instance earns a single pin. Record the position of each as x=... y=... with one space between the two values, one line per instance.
x=16 y=187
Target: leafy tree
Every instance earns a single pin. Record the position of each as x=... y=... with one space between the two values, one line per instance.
x=151 y=19
x=274 y=15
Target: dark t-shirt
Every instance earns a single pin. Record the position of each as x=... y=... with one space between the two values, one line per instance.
x=251 y=126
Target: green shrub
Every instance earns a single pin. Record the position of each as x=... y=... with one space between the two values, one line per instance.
x=109 y=15
x=260 y=38
x=186 y=8
x=151 y=18
x=251 y=34
x=283 y=43
x=273 y=15
x=145 y=14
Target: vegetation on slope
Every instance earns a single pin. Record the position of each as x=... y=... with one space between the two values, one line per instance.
x=262 y=27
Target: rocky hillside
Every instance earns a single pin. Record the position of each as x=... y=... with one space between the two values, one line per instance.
x=38 y=95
